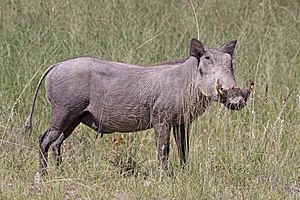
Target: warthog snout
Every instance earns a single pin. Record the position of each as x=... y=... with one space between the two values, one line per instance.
x=234 y=98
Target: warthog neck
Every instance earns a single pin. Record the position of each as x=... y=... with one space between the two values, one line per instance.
x=180 y=91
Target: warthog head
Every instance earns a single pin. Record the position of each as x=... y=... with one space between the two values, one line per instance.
x=216 y=78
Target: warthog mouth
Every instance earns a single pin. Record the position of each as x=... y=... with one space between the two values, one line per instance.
x=234 y=98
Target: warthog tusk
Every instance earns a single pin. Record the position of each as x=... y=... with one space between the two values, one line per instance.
x=220 y=91
x=251 y=85
x=218 y=87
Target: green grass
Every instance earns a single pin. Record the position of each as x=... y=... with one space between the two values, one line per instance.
x=251 y=154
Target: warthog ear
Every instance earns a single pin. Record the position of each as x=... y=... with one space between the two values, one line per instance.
x=196 y=48
x=228 y=47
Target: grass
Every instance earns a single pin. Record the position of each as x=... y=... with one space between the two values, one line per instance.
x=251 y=154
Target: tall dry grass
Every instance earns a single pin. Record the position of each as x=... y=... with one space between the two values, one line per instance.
x=252 y=154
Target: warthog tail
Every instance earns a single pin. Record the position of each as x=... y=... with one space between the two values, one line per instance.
x=28 y=123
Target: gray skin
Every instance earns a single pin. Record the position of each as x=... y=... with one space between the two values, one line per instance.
x=117 y=97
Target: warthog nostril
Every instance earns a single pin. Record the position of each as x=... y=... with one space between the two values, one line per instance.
x=236 y=100
x=236 y=103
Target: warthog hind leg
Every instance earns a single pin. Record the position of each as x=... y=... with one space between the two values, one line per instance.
x=45 y=140
x=61 y=120
x=56 y=146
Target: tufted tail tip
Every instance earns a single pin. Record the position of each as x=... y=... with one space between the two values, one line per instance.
x=28 y=125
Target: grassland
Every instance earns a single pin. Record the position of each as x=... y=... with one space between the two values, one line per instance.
x=251 y=154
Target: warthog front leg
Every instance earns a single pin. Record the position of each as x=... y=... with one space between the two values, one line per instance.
x=182 y=141
x=162 y=140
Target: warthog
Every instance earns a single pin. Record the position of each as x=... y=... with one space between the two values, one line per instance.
x=117 y=97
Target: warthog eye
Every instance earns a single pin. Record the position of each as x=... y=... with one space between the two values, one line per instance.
x=201 y=72
x=207 y=57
